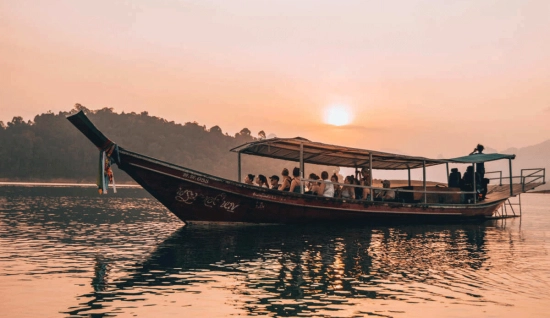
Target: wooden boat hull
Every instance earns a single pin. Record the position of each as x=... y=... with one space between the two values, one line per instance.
x=195 y=196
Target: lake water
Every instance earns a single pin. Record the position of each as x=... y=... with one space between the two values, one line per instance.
x=68 y=252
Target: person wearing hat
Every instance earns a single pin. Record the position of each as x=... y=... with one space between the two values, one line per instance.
x=274 y=181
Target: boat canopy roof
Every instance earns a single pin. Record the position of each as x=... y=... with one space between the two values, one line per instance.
x=332 y=155
x=481 y=157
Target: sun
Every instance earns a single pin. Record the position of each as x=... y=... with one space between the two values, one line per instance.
x=338 y=115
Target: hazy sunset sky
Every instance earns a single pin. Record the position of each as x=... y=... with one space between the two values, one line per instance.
x=420 y=77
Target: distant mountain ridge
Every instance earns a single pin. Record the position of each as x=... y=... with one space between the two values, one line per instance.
x=542 y=148
x=535 y=156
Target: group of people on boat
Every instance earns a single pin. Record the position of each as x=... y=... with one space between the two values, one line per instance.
x=285 y=184
x=357 y=187
x=466 y=182
x=353 y=187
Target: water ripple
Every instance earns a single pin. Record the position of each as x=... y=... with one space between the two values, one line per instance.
x=93 y=256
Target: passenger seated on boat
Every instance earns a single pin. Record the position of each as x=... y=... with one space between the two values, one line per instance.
x=365 y=181
x=326 y=189
x=249 y=179
x=274 y=180
x=295 y=183
x=337 y=188
x=468 y=181
x=313 y=187
x=347 y=191
x=261 y=181
x=468 y=178
x=385 y=195
x=358 y=190
x=454 y=178
x=285 y=184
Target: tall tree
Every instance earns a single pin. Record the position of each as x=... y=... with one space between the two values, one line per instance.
x=261 y=135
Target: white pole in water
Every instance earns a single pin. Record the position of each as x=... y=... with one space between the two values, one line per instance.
x=511 y=178
x=302 y=167
x=370 y=177
x=239 y=165
x=424 y=180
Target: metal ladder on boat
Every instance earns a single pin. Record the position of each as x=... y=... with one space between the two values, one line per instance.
x=507 y=209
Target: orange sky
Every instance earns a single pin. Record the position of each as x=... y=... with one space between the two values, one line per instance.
x=422 y=77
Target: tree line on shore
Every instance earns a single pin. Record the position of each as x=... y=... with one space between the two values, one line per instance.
x=49 y=148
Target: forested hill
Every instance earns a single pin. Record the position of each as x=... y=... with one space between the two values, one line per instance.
x=51 y=149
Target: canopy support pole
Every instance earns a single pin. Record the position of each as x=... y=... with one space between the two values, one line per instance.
x=447 y=164
x=302 y=167
x=409 y=169
x=370 y=177
x=511 y=178
x=424 y=180
x=239 y=166
x=475 y=186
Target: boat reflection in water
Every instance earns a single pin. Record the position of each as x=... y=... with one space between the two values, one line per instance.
x=302 y=270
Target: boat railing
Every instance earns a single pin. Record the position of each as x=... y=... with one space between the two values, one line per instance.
x=499 y=178
x=537 y=174
x=525 y=179
x=396 y=190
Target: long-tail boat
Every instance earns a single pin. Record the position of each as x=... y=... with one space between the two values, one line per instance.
x=195 y=196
